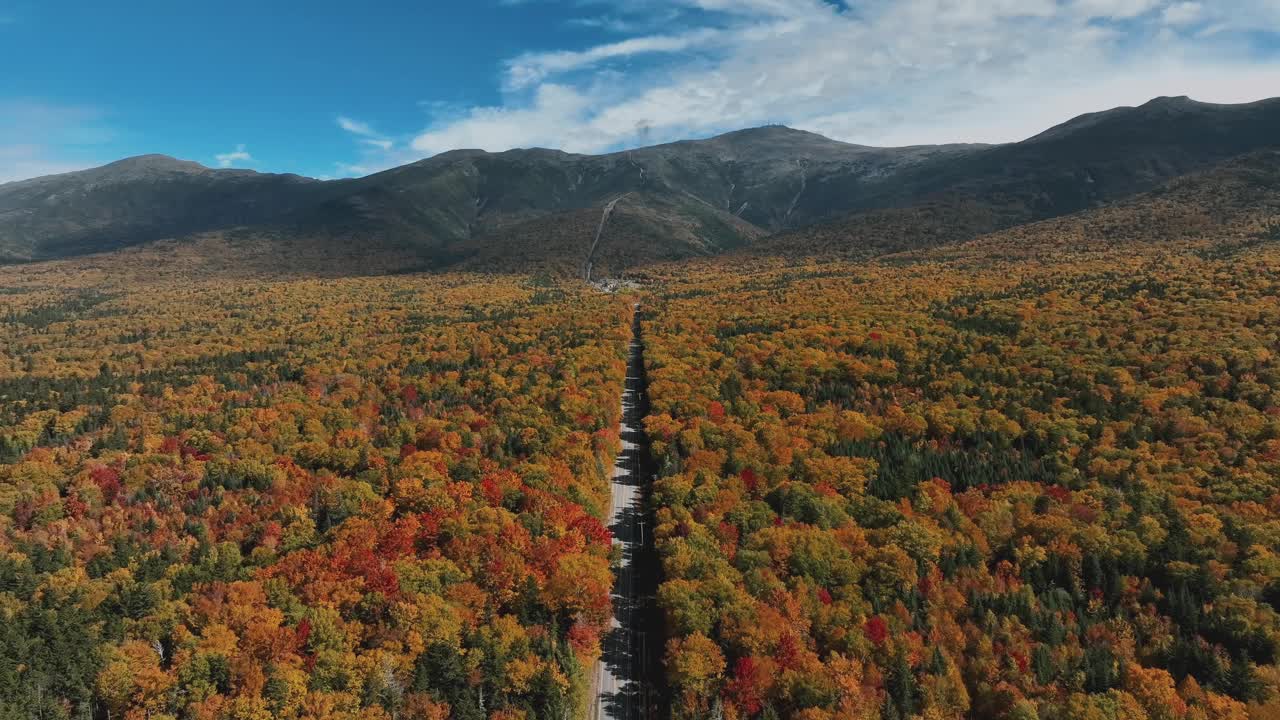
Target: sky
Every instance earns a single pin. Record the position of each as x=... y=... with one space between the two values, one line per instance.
x=338 y=89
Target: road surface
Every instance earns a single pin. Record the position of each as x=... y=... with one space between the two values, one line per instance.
x=628 y=672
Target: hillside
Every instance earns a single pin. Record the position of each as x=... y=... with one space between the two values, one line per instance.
x=139 y=200
x=1233 y=204
x=709 y=195
x=678 y=200
x=1102 y=157
x=906 y=466
x=1237 y=198
x=1033 y=475
x=511 y=210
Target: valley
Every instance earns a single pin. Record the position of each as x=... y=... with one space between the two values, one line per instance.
x=756 y=427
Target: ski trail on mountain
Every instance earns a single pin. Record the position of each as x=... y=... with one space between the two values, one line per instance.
x=604 y=220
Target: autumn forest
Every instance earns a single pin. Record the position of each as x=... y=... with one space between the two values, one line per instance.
x=1031 y=475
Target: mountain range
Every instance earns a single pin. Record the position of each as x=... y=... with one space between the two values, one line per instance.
x=761 y=189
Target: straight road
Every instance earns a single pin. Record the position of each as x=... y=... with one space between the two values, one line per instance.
x=626 y=674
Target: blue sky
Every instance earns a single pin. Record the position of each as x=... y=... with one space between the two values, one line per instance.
x=332 y=89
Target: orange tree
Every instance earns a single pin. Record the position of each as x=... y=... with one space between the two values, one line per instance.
x=266 y=498
x=985 y=482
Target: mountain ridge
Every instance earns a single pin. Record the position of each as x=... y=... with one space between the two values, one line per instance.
x=685 y=198
x=150 y=163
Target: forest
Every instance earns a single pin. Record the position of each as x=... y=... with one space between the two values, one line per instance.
x=1032 y=476
x=989 y=482
x=366 y=498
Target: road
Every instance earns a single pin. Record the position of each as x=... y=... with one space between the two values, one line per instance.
x=627 y=676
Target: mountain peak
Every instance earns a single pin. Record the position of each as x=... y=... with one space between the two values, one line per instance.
x=1167 y=100
x=773 y=133
x=1155 y=112
x=767 y=131
x=155 y=163
x=703 y=195
x=774 y=138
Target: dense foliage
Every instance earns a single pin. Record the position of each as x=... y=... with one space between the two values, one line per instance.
x=305 y=499
x=1034 y=476
x=946 y=485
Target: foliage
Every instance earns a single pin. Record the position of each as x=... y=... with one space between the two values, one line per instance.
x=303 y=499
x=1032 y=476
x=1008 y=480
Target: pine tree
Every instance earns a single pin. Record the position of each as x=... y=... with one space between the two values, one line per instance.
x=902 y=684
x=938 y=663
x=1042 y=664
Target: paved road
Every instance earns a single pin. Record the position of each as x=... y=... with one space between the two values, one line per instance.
x=625 y=672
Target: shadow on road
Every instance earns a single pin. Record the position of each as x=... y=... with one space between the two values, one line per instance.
x=629 y=677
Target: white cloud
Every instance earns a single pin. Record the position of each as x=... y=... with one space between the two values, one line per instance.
x=532 y=68
x=629 y=25
x=883 y=72
x=554 y=110
x=756 y=8
x=1183 y=13
x=239 y=156
x=355 y=126
x=377 y=151
x=1114 y=9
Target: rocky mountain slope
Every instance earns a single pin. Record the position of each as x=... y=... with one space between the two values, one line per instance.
x=139 y=200
x=536 y=207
